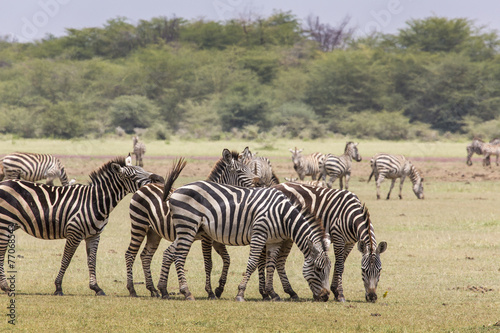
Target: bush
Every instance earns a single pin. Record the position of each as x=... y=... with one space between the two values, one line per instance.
x=134 y=111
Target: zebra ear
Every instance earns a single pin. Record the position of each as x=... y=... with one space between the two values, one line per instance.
x=116 y=167
x=227 y=156
x=361 y=246
x=314 y=250
x=128 y=160
x=291 y=151
x=381 y=247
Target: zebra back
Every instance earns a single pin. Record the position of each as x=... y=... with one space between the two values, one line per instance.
x=308 y=165
x=260 y=167
x=34 y=167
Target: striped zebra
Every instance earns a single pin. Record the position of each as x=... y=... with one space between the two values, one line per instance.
x=347 y=222
x=306 y=165
x=75 y=213
x=478 y=146
x=33 y=167
x=475 y=147
x=150 y=218
x=340 y=166
x=260 y=167
x=259 y=217
x=139 y=149
x=489 y=150
x=393 y=167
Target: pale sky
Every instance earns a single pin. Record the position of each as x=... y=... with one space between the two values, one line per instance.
x=29 y=20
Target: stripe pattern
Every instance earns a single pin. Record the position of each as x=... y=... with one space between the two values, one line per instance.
x=260 y=167
x=347 y=222
x=75 y=213
x=393 y=167
x=241 y=216
x=139 y=149
x=150 y=219
x=308 y=165
x=340 y=166
x=33 y=167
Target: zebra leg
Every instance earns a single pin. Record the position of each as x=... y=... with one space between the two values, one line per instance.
x=70 y=247
x=261 y=268
x=330 y=182
x=341 y=183
x=400 y=187
x=91 y=244
x=336 y=286
x=257 y=245
x=137 y=237
x=286 y=246
x=152 y=243
x=182 y=246
x=393 y=181
x=272 y=253
x=168 y=259
x=347 y=177
x=226 y=260
x=206 y=246
x=378 y=180
x=5 y=231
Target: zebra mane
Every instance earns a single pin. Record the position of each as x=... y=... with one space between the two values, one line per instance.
x=219 y=165
x=366 y=217
x=96 y=174
x=172 y=175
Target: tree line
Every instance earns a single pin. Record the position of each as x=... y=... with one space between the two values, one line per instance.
x=253 y=77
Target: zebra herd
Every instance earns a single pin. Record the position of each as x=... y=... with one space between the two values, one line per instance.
x=240 y=203
x=479 y=147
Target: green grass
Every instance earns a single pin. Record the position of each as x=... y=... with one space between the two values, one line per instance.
x=441 y=271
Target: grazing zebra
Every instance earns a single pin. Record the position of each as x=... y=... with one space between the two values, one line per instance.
x=347 y=222
x=150 y=218
x=75 y=213
x=393 y=167
x=260 y=167
x=259 y=217
x=306 y=165
x=306 y=182
x=340 y=166
x=139 y=150
x=33 y=167
x=475 y=147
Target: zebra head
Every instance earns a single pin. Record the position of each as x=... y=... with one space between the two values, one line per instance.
x=316 y=269
x=230 y=170
x=296 y=157
x=351 y=149
x=371 y=267
x=133 y=177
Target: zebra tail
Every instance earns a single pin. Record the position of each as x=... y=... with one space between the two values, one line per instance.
x=172 y=176
x=373 y=165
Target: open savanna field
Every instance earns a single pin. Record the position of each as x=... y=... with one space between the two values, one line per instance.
x=441 y=271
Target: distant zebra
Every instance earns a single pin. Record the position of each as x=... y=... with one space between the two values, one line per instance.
x=260 y=217
x=340 y=166
x=306 y=182
x=306 y=165
x=346 y=221
x=139 y=150
x=150 y=218
x=33 y=167
x=488 y=150
x=393 y=167
x=75 y=213
x=477 y=147
x=260 y=167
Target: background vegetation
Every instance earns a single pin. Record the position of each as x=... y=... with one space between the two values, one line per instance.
x=276 y=76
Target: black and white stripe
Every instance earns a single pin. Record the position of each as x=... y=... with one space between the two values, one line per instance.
x=75 y=213
x=262 y=218
x=340 y=166
x=347 y=221
x=260 y=167
x=33 y=167
x=150 y=219
x=308 y=165
x=393 y=167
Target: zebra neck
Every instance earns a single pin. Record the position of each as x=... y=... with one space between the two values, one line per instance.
x=107 y=192
x=414 y=175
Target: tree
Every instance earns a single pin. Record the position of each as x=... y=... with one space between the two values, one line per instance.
x=328 y=37
x=131 y=112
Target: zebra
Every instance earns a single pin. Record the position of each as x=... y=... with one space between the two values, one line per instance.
x=340 y=166
x=346 y=221
x=259 y=217
x=306 y=165
x=489 y=149
x=475 y=147
x=75 y=213
x=150 y=218
x=260 y=167
x=139 y=149
x=306 y=182
x=33 y=167
x=393 y=167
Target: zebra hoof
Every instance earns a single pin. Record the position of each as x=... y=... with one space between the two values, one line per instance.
x=133 y=294
x=294 y=298
x=58 y=293
x=239 y=299
x=100 y=293
x=218 y=292
x=190 y=298
x=154 y=293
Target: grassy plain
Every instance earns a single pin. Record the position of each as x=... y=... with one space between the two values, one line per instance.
x=441 y=272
